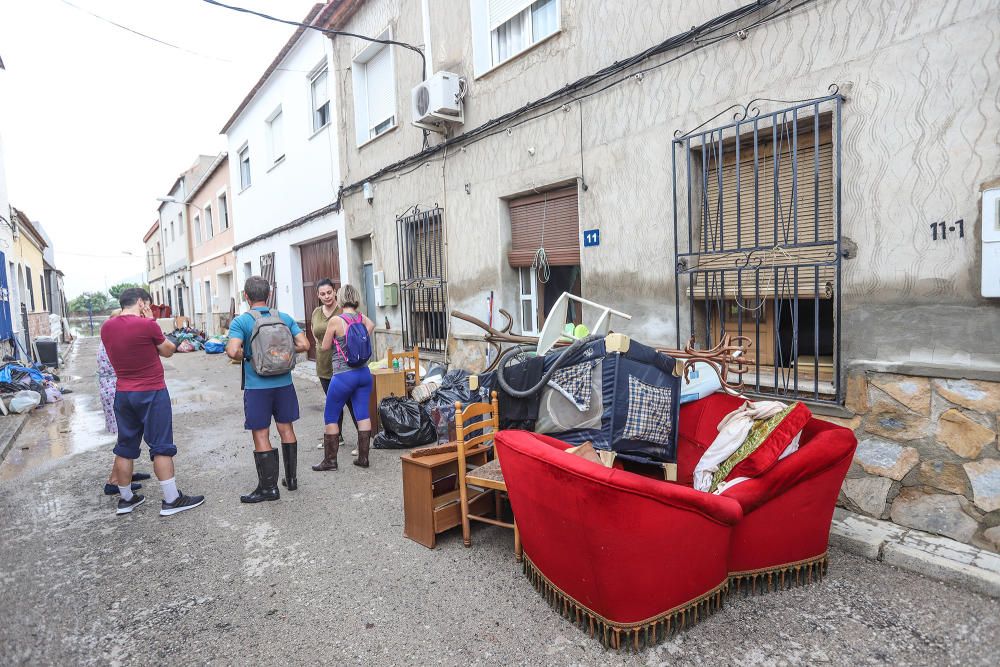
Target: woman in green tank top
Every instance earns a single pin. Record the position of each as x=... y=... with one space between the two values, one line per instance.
x=320 y=318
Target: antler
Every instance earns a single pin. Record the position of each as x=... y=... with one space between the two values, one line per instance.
x=496 y=338
x=728 y=357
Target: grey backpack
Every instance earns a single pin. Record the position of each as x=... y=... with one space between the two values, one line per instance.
x=272 y=347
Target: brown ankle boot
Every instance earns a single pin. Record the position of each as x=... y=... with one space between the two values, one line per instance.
x=331 y=443
x=364 y=443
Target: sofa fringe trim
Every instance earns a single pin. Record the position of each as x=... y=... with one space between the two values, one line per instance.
x=782 y=577
x=635 y=635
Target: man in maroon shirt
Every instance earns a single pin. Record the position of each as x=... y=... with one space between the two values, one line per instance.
x=135 y=343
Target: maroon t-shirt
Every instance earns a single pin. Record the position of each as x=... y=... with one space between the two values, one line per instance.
x=131 y=344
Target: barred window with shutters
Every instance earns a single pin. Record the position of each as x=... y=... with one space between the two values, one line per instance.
x=267 y=273
x=758 y=253
x=422 y=279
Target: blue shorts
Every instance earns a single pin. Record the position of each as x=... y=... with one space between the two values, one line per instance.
x=355 y=386
x=259 y=405
x=144 y=415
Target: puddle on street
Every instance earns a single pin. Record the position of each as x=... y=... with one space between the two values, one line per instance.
x=71 y=426
x=76 y=424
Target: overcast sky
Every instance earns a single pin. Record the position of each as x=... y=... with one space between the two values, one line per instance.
x=97 y=122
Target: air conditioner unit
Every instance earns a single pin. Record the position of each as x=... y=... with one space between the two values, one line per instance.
x=378 y=285
x=438 y=101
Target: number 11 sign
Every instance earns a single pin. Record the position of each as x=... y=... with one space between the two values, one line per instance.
x=591 y=238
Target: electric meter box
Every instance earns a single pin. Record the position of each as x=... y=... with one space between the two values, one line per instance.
x=991 y=243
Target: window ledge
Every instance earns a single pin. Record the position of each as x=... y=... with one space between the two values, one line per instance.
x=518 y=55
x=319 y=131
x=379 y=136
x=275 y=164
x=244 y=189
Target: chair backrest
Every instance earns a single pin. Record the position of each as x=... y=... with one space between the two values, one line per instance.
x=471 y=435
x=407 y=361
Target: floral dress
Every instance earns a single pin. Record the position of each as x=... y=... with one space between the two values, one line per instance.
x=107 y=380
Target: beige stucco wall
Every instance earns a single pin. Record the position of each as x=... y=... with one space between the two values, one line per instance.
x=154 y=264
x=29 y=255
x=920 y=136
x=208 y=194
x=212 y=259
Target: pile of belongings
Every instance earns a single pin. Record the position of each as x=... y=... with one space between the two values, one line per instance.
x=25 y=387
x=187 y=339
x=216 y=344
x=425 y=418
x=623 y=402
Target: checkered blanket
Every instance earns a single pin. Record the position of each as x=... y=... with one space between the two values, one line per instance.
x=575 y=383
x=649 y=415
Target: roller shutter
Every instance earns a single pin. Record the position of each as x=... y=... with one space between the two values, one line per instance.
x=550 y=219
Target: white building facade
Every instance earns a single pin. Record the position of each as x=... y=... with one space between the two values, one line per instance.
x=176 y=260
x=284 y=172
x=175 y=238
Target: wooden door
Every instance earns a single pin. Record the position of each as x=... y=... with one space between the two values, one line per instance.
x=320 y=259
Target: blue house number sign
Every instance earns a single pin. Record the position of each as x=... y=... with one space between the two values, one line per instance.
x=591 y=238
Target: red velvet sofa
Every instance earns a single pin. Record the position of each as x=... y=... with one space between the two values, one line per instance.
x=627 y=557
x=787 y=511
x=632 y=559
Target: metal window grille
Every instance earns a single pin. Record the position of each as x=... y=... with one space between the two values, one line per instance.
x=757 y=241
x=267 y=273
x=423 y=288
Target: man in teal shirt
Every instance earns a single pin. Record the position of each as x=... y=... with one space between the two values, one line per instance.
x=266 y=397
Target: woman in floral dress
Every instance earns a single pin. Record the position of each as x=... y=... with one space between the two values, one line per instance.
x=106 y=380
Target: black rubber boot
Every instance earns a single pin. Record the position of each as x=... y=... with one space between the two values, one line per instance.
x=267 y=478
x=289 y=454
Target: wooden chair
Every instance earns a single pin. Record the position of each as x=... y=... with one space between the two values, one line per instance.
x=407 y=361
x=487 y=477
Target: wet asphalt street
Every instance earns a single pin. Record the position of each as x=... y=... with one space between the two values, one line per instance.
x=324 y=576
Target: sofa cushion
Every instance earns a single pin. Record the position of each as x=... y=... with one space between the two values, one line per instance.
x=697 y=427
x=586 y=452
x=764 y=445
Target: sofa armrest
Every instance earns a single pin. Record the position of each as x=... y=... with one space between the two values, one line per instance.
x=828 y=447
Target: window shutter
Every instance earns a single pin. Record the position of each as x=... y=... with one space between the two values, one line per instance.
x=815 y=223
x=319 y=90
x=381 y=87
x=501 y=11
x=552 y=219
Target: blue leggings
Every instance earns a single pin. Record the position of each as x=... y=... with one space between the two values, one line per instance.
x=355 y=386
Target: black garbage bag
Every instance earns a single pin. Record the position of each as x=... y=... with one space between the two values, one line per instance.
x=404 y=425
x=454 y=387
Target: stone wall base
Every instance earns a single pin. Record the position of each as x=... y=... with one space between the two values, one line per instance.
x=927 y=454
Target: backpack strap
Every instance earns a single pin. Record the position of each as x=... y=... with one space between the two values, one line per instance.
x=336 y=342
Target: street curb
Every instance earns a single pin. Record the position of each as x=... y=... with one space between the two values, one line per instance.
x=933 y=556
x=5 y=447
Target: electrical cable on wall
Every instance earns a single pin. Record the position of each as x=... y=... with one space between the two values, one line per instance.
x=540 y=263
x=515 y=118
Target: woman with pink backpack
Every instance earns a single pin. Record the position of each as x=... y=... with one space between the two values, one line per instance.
x=348 y=335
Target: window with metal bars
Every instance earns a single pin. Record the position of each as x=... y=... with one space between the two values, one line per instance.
x=422 y=283
x=757 y=229
x=267 y=273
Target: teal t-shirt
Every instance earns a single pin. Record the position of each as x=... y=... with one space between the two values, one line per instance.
x=241 y=328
